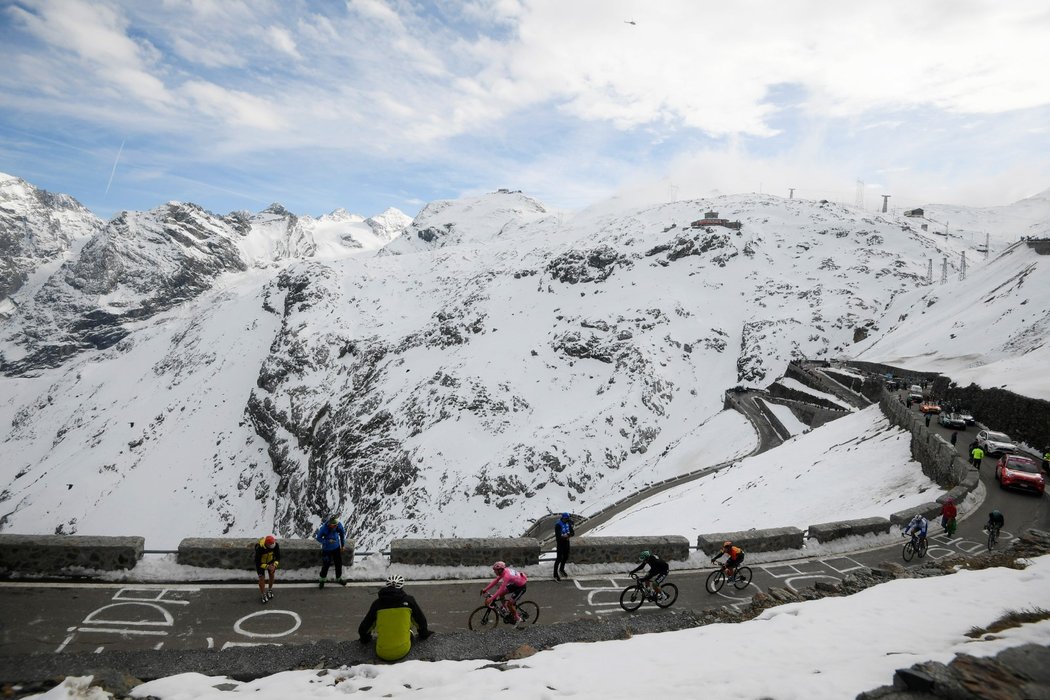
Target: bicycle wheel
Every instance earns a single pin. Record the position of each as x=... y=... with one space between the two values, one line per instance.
x=909 y=551
x=993 y=535
x=632 y=598
x=715 y=581
x=483 y=619
x=670 y=592
x=529 y=612
x=743 y=578
x=923 y=546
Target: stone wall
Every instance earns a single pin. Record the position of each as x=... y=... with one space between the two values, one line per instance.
x=603 y=550
x=931 y=511
x=811 y=414
x=239 y=553
x=466 y=551
x=825 y=532
x=1024 y=419
x=768 y=540
x=783 y=392
x=53 y=553
x=938 y=457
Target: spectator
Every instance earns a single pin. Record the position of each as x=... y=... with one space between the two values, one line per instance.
x=392 y=619
x=976 y=455
x=948 y=513
x=267 y=559
x=927 y=420
x=332 y=536
x=955 y=437
x=1046 y=459
x=563 y=530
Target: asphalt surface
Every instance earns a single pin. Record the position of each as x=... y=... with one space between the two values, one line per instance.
x=52 y=621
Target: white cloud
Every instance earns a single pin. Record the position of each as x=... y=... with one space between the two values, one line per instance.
x=281 y=40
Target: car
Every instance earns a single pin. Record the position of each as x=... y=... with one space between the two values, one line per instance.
x=1020 y=472
x=952 y=420
x=929 y=407
x=994 y=443
x=967 y=417
x=914 y=399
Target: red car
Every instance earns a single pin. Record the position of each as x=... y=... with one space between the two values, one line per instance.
x=930 y=407
x=1020 y=472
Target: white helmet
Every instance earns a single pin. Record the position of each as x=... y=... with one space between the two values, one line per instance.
x=395 y=580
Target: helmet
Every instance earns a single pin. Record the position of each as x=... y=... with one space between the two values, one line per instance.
x=333 y=519
x=499 y=566
x=727 y=544
x=644 y=555
x=566 y=516
x=270 y=541
x=395 y=580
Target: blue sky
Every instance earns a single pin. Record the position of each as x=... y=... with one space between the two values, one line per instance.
x=368 y=104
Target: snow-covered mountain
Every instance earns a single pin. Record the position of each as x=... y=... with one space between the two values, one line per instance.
x=493 y=362
x=1000 y=226
x=37 y=229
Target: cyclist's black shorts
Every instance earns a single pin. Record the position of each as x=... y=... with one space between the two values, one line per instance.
x=656 y=578
x=515 y=592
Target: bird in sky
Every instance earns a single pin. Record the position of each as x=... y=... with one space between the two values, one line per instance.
x=630 y=21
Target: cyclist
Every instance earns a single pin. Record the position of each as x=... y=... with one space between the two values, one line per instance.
x=735 y=554
x=392 y=618
x=267 y=559
x=995 y=519
x=658 y=570
x=917 y=527
x=508 y=582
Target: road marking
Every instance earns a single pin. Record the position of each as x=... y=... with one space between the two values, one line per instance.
x=296 y=623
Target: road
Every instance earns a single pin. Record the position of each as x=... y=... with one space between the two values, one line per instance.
x=38 y=618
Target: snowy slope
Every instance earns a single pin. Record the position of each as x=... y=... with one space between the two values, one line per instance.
x=990 y=329
x=1000 y=226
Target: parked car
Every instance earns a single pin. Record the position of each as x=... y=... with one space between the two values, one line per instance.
x=994 y=443
x=952 y=420
x=1020 y=472
x=967 y=417
x=930 y=407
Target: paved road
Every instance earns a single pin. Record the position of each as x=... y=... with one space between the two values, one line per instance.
x=64 y=618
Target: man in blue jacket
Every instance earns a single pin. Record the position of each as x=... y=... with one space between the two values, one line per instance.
x=332 y=537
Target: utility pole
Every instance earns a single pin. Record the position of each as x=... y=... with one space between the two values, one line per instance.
x=860 y=193
x=962 y=267
x=929 y=271
x=885 y=199
x=944 y=271
x=791 y=193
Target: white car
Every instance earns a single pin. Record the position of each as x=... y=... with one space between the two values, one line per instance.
x=994 y=443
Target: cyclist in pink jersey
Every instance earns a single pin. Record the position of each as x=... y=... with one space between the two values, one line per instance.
x=508 y=582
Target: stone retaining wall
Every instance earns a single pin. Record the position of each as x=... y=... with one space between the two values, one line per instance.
x=938 y=457
x=769 y=540
x=239 y=553
x=466 y=551
x=602 y=550
x=825 y=532
x=931 y=511
x=53 y=553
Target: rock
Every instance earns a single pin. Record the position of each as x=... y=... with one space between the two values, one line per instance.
x=522 y=652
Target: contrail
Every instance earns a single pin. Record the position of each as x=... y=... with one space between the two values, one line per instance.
x=114 y=171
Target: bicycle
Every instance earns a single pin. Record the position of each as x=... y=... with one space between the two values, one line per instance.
x=916 y=545
x=740 y=580
x=640 y=591
x=488 y=617
x=993 y=536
